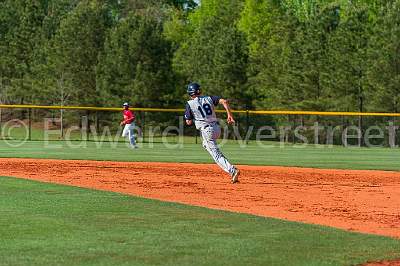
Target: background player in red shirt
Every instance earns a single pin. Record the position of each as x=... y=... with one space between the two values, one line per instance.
x=129 y=125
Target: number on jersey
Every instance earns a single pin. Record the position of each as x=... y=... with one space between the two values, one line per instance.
x=206 y=110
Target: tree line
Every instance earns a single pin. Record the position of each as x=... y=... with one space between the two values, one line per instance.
x=262 y=54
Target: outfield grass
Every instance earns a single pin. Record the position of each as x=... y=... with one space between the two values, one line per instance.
x=252 y=154
x=47 y=224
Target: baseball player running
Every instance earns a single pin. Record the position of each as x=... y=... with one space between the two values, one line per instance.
x=129 y=125
x=200 y=109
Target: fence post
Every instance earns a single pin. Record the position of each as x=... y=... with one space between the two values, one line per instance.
x=87 y=124
x=294 y=127
x=96 y=121
x=62 y=123
x=29 y=124
x=143 y=126
x=1 y=129
x=84 y=135
x=395 y=134
x=394 y=124
x=247 y=124
x=360 y=126
x=343 y=128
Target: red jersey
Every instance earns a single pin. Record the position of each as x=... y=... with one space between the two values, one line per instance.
x=129 y=116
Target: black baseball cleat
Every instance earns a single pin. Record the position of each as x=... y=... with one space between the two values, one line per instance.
x=235 y=176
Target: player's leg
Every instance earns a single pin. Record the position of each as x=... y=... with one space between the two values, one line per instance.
x=209 y=135
x=125 y=131
x=233 y=171
x=131 y=135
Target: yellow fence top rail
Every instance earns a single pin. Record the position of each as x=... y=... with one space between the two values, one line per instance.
x=323 y=113
x=267 y=112
x=56 y=107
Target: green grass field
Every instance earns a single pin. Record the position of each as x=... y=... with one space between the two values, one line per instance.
x=60 y=225
x=46 y=224
x=252 y=154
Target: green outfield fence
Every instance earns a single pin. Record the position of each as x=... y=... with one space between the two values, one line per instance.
x=31 y=122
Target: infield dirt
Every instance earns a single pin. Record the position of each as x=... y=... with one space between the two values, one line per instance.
x=362 y=201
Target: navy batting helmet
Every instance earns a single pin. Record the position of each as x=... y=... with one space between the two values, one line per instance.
x=193 y=89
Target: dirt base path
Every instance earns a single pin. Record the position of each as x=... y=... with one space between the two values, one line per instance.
x=363 y=201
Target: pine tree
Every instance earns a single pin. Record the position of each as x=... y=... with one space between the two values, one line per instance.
x=214 y=52
x=75 y=50
x=385 y=63
x=136 y=64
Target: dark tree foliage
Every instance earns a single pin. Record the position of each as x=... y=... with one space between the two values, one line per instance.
x=316 y=55
x=136 y=64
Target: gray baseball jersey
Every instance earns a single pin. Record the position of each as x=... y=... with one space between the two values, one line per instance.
x=201 y=110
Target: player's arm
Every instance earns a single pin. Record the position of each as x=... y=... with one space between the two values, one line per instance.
x=123 y=122
x=225 y=104
x=188 y=115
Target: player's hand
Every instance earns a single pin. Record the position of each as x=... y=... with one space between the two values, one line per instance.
x=121 y=124
x=230 y=120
